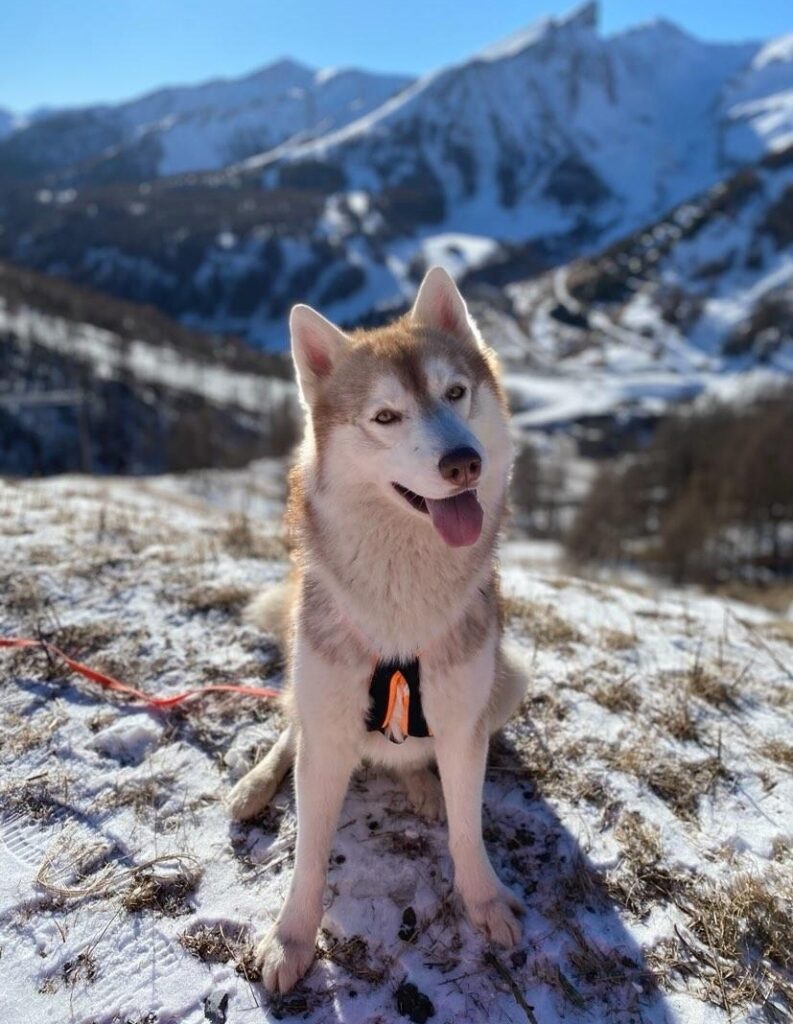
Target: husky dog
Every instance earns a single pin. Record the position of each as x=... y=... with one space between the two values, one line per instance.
x=395 y=507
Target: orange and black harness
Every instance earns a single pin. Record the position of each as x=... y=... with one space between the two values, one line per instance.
x=395 y=701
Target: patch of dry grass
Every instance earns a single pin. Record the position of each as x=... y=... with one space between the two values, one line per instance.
x=354 y=956
x=547 y=707
x=84 y=638
x=679 y=783
x=82 y=969
x=227 y=598
x=779 y=751
x=25 y=732
x=595 y=965
x=541 y=622
x=245 y=540
x=737 y=949
x=618 y=640
x=748 y=916
x=619 y=696
x=140 y=795
x=776 y=598
x=780 y=630
x=681 y=714
x=642 y=880
x=219 y=944
x=559 y=773
x=167 y=895
x=22 y=596
x=676 y=718
x=123 y=664
x=707 y=686
x=39 y=799
x=741 y=943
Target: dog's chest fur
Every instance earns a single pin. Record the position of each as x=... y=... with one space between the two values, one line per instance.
x=376 y=584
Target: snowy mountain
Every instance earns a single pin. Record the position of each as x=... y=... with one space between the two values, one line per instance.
x=535 y=151
x=193 y=128
x=698 y=304
x=91 y=383
x=759 y=103
x=561 y=131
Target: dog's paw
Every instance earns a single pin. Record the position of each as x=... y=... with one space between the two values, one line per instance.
x=282 y=961
x=425 y=794
x=497 y=918
x=251 y=795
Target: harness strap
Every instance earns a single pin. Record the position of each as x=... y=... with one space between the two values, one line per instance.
x=395 y=707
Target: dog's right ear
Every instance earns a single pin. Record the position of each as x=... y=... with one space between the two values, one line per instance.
x=316 y=345
x=439 y=304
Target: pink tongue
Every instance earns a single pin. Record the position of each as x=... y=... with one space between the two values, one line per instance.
x=458 y=520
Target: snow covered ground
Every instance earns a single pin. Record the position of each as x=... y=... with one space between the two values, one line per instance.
x=641 y=804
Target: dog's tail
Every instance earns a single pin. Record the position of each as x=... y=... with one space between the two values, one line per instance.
x=271 y=610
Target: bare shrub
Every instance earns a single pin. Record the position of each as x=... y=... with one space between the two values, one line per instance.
x=537 y=491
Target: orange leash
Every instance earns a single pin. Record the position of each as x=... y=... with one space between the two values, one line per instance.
x=115 y=684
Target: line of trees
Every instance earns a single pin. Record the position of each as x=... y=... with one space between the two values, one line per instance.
x=710 y=498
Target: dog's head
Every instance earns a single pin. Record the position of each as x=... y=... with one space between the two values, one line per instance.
x=411 y=413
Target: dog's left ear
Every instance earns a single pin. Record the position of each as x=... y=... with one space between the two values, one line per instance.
x=439 y=304
x=317 y=344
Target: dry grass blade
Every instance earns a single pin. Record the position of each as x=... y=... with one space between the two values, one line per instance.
x=354 y=957
x=779 y=751
x=69 y=859
x=492 y=961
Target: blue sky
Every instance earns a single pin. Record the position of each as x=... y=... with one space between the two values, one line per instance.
x=56 y=52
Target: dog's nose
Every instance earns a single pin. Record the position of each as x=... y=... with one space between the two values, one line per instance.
x=461 y=466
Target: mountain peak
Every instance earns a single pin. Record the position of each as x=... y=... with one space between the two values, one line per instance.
x=657 y=27
x=586 y=15
x=583 y=18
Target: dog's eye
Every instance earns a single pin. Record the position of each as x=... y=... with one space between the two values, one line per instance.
x=455 y=392
x=386 y=416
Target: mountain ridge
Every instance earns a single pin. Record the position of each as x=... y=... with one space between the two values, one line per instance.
x=553 y=143
x=188 y=128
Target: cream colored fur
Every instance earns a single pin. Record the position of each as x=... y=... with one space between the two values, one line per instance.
x=375 y=580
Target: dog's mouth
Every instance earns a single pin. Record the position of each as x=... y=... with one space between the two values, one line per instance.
x=457 y=519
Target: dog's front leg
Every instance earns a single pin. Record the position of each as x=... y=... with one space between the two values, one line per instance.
x=461 y=753
x=322 y=773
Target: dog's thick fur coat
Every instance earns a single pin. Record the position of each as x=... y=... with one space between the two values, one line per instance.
x=377 y=577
